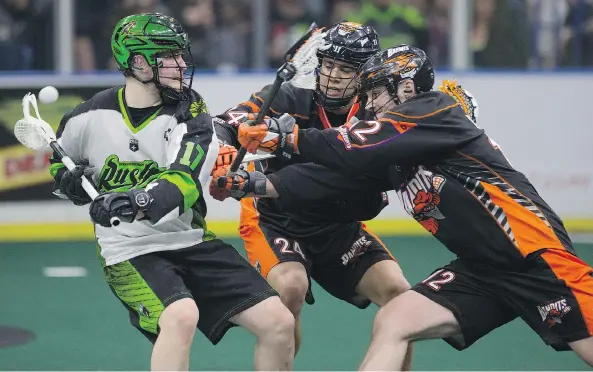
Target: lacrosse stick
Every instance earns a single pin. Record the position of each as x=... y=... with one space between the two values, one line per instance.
x=36 y=134
x=256 y=157
x=299 y=70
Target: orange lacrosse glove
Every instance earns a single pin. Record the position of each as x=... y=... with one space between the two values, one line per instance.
x=277 y=135
x=226 y=155
x=216 y=192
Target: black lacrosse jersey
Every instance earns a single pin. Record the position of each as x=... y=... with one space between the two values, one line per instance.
x=450 y=177
x=303 y=219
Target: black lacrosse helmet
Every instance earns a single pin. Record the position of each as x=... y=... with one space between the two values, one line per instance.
x=390 y=66
x=347 y=42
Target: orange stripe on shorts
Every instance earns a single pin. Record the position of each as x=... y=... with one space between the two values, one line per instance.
x=577 y=275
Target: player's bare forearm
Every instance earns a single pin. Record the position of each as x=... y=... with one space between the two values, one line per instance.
x=271 y=191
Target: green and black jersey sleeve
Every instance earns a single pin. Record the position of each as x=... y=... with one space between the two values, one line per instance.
x=193 y=152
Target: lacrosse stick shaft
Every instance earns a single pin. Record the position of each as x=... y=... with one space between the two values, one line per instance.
x=285 y=73
x=260 y=116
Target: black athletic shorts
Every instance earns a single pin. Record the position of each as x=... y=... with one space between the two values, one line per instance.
x=337 y=261
x=552 y=293
x=213 y=273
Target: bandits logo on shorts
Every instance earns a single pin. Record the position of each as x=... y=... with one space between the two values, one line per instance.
x=553 y=312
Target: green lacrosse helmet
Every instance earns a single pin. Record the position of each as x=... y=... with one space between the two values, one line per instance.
x=150 y=35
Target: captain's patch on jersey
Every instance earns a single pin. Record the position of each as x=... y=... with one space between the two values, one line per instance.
x=134 y=146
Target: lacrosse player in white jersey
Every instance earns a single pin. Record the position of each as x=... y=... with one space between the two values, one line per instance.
x=149 y=147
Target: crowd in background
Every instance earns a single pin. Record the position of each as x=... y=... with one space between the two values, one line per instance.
x=525 y=34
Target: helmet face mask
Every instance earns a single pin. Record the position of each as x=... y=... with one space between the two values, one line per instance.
x=337 y=81
x=393 y=67
x=175 y=70
x=348 y=47
x=378 y=101
x=165 y=47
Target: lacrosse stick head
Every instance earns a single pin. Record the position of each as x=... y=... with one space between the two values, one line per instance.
x=304 y=62
x=33 y=132
x=466 y=100
x=348 y=46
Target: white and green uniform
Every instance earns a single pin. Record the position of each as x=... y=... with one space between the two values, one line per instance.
x=171 y=155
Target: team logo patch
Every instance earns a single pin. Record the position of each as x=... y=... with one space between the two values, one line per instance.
x=357 y=249
x=134 y=146
x=553 y=312
x=197 y=108
x=421 y=198
x=142 y=199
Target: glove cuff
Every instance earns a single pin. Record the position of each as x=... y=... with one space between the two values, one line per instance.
x=259 y=181
x=141 y=199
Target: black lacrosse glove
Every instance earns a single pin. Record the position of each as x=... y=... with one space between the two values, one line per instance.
x=70 y=183
x=240 y=183
x=124 y=205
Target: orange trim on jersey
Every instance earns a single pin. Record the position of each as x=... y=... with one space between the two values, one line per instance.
x=577 y=276
x=255 y=109
x=259 y=252
x=258 y=98
x=365 y=229
x=401 y=126
x=299 y=116
x=325 y=121
x=256 y=245
x=423 y=116
x=252 y=105
x=507 y=183
x=530 y=232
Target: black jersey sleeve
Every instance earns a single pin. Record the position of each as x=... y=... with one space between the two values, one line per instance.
x=361 y=198
x=227 y=123
x=420 y=130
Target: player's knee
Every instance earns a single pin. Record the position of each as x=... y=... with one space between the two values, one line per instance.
x=392 y=289
x=584 y=349
x=292 y=285
x=390 y=325
x=281 y=324
x=276 y=323
x=180 y=317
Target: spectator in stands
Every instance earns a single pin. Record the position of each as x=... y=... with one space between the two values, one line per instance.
x=198 y=19
x=500 y=34
x=91 y=53
x=342 y=9
x=230 y=39
x=401 y=22
x=439 y=25
x=289 y=20
x=577 y=34
x=26 y=35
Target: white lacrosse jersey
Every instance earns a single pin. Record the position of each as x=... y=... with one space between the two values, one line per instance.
x=170 y=155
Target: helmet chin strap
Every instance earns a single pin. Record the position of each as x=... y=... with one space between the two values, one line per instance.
x=168 y=95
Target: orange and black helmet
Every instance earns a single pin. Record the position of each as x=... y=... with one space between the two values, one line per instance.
x=390 y=66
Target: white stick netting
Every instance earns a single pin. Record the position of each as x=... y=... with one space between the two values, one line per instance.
x=33 y=132
x=305 y=61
